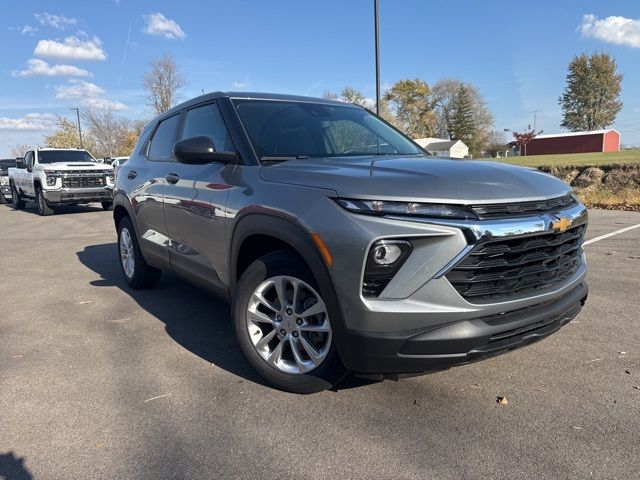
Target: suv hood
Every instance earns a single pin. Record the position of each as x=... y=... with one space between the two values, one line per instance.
x=77 y=166
x=419 y=179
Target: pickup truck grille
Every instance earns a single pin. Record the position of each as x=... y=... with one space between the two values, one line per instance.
x=525 y=208
x=504 y=267
x=86 y=181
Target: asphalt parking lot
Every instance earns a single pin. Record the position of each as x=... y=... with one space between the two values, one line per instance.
x=99 y=381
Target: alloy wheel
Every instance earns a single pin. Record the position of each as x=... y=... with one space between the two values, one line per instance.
x=288 y=324
x=126 y=253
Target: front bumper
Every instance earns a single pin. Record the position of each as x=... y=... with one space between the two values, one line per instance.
x=412 y=352
x=79 y=195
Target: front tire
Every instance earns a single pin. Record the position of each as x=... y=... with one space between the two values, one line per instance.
x=43 y=207
x=282 y=325
x=17 y=202
x=136 y=271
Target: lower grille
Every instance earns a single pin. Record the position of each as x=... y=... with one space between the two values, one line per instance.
x=83 y=182
x=500 y=268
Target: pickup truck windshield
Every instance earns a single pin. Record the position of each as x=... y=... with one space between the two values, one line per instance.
x=285 y=130
x=66 y=156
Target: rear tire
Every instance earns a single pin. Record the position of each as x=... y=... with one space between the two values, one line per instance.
x=16 y=201
x=107 y=205
x=136 y=271
x=269 y=347
x=43 y=207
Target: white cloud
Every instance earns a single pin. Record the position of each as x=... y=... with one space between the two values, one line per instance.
x=239 y=85
x=28 y=30
x=72 y=48
x=616 y=30
x=158 y=24
x=87 y=94
x=34 y=122
x=56 y=21
x=40 y=68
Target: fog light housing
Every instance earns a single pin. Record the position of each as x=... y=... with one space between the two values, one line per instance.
x=384 y=259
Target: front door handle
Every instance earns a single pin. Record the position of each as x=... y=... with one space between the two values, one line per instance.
x=172 y=178
x=131 y=174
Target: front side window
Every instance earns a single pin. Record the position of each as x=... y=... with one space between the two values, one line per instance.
x=164 y=138
x=291 y=129
x=206 y=121
x=65 y=156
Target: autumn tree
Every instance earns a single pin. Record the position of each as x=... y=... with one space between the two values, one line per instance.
x=411 y=106
x=163 y=83
x=591 y=99
x=65 y=135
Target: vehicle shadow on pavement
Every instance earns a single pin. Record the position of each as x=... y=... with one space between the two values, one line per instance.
x=194 y=318
x=12 y=467
x=61 y=210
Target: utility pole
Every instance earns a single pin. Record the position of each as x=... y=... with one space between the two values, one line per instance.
x=377 y=40
x=79 y=128
x=535 y=118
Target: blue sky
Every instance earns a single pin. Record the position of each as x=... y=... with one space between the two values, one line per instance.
x=61 y=54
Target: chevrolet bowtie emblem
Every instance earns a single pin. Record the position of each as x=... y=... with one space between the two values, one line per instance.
x=561 y=224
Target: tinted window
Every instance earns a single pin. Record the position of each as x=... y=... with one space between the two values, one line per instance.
x=164 y=138
x=54 y=156
x=207 y=121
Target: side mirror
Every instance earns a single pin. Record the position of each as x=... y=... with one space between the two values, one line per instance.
x=30 y=166
x=199 y=151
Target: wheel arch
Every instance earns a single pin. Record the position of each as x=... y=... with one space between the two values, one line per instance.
x=280 y=232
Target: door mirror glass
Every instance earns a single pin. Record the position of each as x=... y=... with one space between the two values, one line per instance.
x=200 y=150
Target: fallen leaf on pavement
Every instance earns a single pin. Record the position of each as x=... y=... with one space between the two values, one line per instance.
x=502 y=400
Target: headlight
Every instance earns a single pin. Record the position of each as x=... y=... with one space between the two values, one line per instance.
x=383 y=207
x=384 y=259
x=52 y=176
x=4 y=180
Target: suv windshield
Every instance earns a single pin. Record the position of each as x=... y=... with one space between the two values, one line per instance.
x=67 y=156
x=281 y=130
x=6 y=165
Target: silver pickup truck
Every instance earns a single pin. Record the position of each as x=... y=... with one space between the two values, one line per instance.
x=52 y=176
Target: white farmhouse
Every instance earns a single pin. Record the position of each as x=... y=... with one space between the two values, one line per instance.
x=444 y=148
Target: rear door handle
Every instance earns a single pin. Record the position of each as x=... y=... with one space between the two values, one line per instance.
x=172 y=178
x=131 y=174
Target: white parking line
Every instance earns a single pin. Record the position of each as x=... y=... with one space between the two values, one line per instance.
x=602 y=237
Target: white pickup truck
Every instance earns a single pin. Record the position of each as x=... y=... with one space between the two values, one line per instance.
x=54 y=176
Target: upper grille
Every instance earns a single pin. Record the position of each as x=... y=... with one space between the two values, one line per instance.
x=511 y=209
x=83 y=182
x=501 y=268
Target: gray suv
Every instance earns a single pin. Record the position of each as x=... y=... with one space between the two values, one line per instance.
x=341 y=244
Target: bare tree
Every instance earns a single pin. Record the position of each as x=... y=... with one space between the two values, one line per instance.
x=163 y=83
x=18 y=151
x=108 y=132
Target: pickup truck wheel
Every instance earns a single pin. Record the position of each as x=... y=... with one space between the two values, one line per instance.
x=43 y=207
x=107 y=205
x=283 y=327
x=136 y=271
x=17 y=202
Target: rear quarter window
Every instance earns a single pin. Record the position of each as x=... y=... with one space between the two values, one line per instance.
x=164 y=138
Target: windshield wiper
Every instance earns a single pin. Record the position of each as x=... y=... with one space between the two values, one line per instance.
x=284 y=158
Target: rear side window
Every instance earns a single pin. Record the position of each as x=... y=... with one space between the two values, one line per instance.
x=164 y=138
x=206 y=121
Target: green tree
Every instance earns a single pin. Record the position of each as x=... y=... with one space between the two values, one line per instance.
x=411 y=104
x=463 y=122
x=443 y=94
x=591 y=99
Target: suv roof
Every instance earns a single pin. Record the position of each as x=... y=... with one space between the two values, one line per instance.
x=248 y=95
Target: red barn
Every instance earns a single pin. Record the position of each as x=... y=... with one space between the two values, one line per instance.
x=574 y=142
